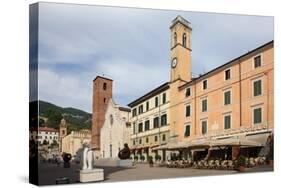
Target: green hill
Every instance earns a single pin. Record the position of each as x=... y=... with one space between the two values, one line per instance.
x=51 y=116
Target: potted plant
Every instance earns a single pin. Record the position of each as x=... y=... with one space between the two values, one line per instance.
x=136 y=158
x=142 y=158
x=150 y=161
x=241 y=163
x=157 y=158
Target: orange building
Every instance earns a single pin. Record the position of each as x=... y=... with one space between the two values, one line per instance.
x=233 y=102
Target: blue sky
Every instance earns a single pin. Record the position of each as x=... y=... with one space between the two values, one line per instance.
x=130 y=46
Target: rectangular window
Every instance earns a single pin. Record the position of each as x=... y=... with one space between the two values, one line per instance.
x=140 y=109
x=257 y=115
x=187 y=92
x=204 y=127
x=257 y=88
x=187 y=131
x=164 y=98
x=164 y=120
x=134 y=128
x=205 y=84
x=134 y=142
x=204 y=105
x=163 y=137
x=257 y=61
x=134 y=112
x=110 y=150
x=140 y=127
x=140 y=141
x=227 y=74
x=146 y=125
x=187 y=111
x=156 y=101
x=227 y=122
x=156 y=122
x=156 y=138
x=227 y=97
x=147 y=105
x=147 y=139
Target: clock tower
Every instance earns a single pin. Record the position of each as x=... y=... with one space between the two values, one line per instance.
x=180 y=50
x=180 y=72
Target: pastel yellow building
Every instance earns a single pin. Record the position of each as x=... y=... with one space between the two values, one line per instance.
x=234 y=100
x=73 y=142
x=150 y=122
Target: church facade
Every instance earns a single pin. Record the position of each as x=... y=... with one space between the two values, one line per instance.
x=115 y=131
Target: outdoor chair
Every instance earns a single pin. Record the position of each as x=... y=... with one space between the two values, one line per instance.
x=217 y=164
x=230 y=165
x=247 y=161
x=212 y=164
x=205 y=164
x=224 y=164
x=252 y=162
x=195 y=164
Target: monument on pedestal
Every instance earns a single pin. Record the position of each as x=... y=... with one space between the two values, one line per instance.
x=88 y=173
x=124 y=156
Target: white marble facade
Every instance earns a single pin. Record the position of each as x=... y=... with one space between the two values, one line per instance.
x=115 y=131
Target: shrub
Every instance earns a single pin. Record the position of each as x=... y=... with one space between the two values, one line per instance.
x=150 y=159
x=157 y=157
x=241 y=161
x=142 y=157
x=136 y=158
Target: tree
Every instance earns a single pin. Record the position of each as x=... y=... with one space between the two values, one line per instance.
x=55 y=143
x=45 y=142
x=41 y=122
x=54 y=118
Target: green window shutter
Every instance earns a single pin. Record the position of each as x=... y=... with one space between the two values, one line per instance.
x=156 y=101
x=147 y=125
x=257 y=61
x=163 y=120
x=164 y=98
x=204 y=105
x=156 y=122
x=227 y=97
x=204 y=127
x=227 y=122
x=187 y=111
x=187 y=131
x=257 y=88
x=257 y=115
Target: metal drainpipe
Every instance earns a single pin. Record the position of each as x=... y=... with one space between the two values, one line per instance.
x=240 y=98
x=195 y=108
x=136 y=129
x=159 y=121
x=267 y=93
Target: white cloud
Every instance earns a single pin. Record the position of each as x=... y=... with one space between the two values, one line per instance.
x=67 y=91
x=131 y=46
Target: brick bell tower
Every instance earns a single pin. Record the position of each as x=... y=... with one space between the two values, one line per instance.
x=102 y=92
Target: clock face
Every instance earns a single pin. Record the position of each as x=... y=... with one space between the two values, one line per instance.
x=174 y=62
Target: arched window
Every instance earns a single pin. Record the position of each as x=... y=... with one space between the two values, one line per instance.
x=184 y=40
x=175 y=39
x=104 y=86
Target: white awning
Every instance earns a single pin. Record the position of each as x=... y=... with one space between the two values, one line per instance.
x=234 y=142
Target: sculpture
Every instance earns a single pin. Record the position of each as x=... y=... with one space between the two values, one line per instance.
x=125 y=152
x=66 y=159
x=88 y=156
